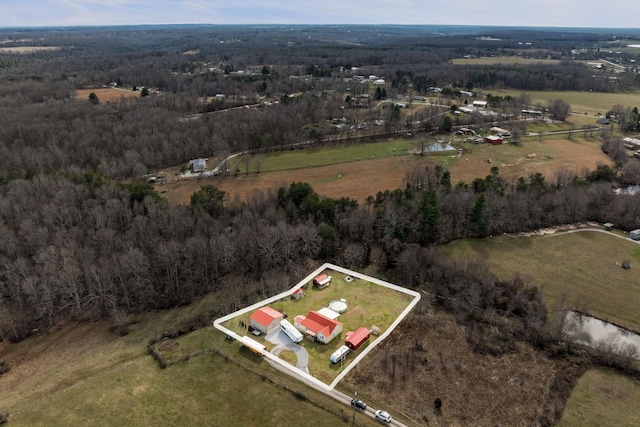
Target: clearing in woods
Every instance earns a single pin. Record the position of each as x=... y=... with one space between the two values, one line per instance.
x=28 y=49
x=106 y=94
x=363 y=178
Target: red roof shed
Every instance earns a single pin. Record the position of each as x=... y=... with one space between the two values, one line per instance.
x=356 y=339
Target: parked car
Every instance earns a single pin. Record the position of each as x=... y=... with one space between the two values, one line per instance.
x=383 y=416
x=358 y=404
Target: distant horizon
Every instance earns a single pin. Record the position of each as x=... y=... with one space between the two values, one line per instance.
x=91 y=13
x=275 y=25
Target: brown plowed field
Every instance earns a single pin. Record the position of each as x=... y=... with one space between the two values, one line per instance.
x=364 y=178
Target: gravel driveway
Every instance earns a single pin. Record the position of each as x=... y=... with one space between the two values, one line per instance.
x=283 y=342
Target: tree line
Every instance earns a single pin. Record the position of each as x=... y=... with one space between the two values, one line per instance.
x=82 y=246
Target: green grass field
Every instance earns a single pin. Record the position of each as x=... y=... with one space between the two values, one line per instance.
x=603 y=397
x=368 y=304
x=312 y=157
x=581 y=102
x=580 y=265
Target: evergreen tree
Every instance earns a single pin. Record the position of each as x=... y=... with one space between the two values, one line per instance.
x=430 y=216
x=478 y=217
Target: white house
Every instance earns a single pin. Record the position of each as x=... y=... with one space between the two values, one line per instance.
x=198 y=165
x=318 y=327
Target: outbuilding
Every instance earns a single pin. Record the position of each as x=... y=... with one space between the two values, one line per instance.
x=265 y=319
x=493 y=139
x=198 y=165
x=322 y=281
x=356 y=339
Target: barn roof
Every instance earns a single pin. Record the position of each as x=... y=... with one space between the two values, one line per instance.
x=354 y=338
x=265 y=315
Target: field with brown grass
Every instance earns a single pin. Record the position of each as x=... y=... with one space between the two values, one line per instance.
x=427 y=357
x=363 y=178
x=106 y=94
x=82 y=374
x=603 y=397
x=503 y=60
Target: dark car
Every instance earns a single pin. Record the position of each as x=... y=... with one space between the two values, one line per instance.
x=359 y=404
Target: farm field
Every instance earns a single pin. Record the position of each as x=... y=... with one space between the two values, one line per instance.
x=362 y=178
x=581 y=266
x=106 y=94
x=79 y=374
x=603 y=395
x=503 y=60
x=369 y=304
x=581 y=102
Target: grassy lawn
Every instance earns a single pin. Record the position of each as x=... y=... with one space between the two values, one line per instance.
x=581 y=101
x=368 y=304
x=581 y=266
x=603 y=397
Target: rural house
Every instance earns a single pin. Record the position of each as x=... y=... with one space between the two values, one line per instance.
x=198 y=165
x=318 y=327
x=266 y=319
x=480 y=104
x=322 y=281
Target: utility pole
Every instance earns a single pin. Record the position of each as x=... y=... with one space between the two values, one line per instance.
x=353 y=423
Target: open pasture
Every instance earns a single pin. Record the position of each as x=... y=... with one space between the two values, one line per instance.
x=384 y=166
x=502 y=60
x=603 y=397
x=582 y=266
x=547 y=157
x=581 y=102
x=106 y=94
x=81 y=374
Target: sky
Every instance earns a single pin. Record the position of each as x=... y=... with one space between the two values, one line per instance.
x=545 y=13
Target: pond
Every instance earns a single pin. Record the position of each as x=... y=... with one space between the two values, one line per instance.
x=439 y=146
x=587 y=330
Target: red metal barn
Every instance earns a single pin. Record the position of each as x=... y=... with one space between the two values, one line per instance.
x=356 y=339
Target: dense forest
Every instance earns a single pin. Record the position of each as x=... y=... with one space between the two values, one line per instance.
x=83 y=238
